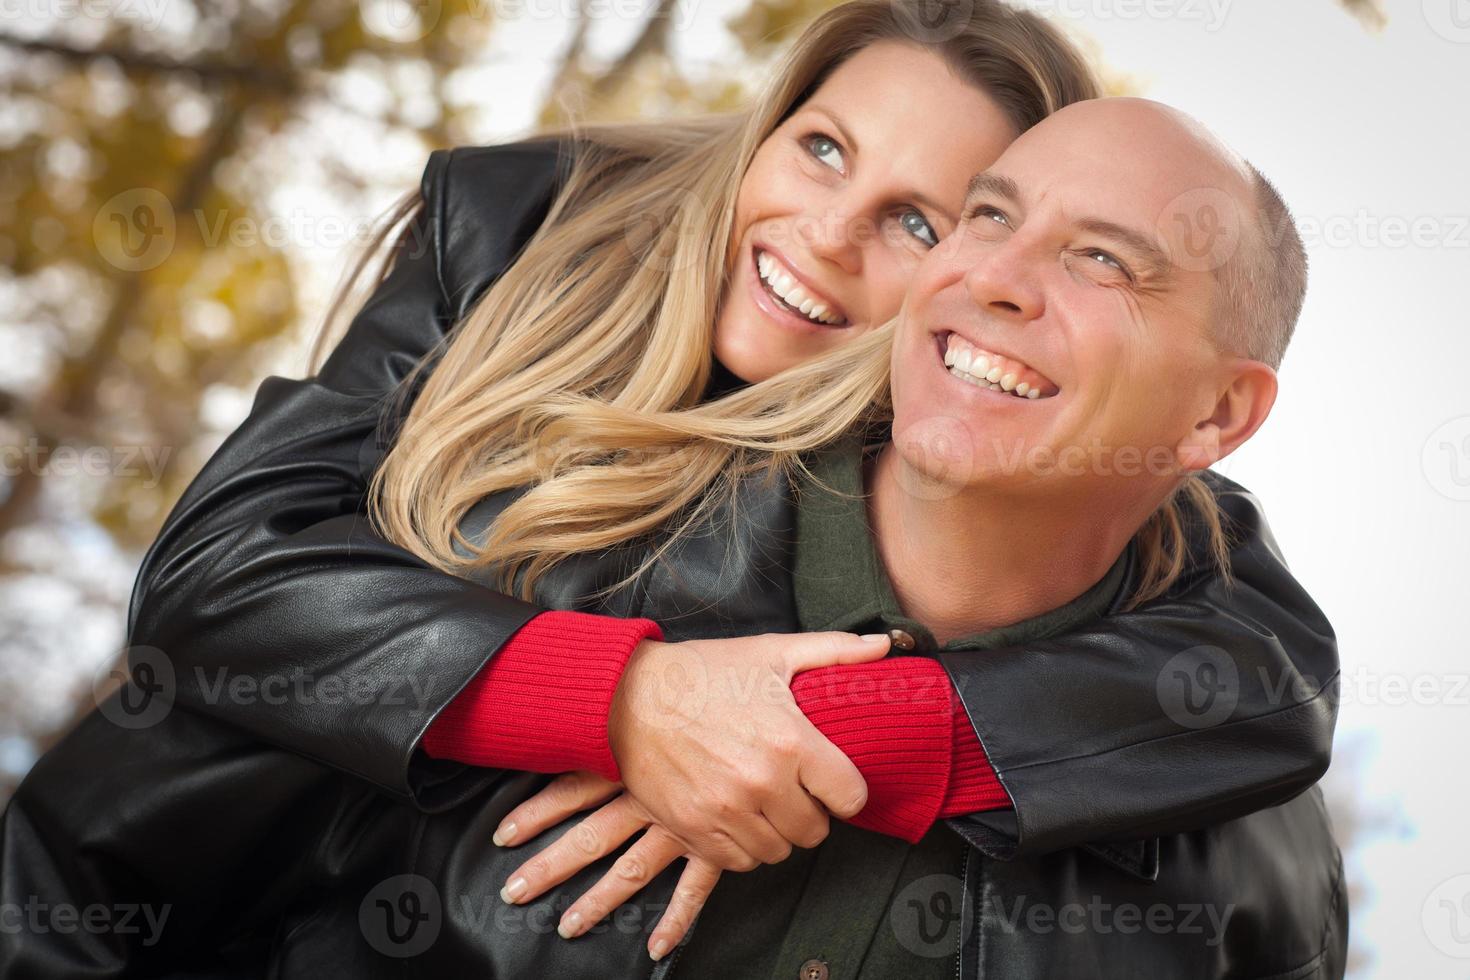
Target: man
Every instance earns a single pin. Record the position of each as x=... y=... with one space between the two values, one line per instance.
x=267 y=861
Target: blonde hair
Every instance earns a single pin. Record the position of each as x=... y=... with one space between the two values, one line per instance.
x=579 y=373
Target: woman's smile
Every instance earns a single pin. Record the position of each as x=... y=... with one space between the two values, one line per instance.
x=787 y=297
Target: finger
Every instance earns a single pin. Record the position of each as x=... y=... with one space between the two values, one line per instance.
x=832 y=778
x=799 y=818
x=803 y=651
x=633 y=869
x=758 y=838
x=601 y=833
x=565 y=795
x=722 y=849
x=696 y=884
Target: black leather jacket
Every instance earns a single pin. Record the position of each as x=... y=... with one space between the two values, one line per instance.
x=268 y=864
x=266 y=569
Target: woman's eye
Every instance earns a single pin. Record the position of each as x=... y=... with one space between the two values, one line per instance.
x=825 y=149
x=913 y=222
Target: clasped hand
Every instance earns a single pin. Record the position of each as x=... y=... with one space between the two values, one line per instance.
x=718 y=766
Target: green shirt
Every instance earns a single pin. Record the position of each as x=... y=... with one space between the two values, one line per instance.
x=861 y=905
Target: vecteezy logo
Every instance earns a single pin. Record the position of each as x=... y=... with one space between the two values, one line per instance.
x=139 y=691
x=1450 y=19
x=402 y=916
x=1206 y=222
x=1446 y=917
x=134 y=231
x=934 y=21
x=928 y=918
x=1446 y=459
x=1202 y=227
x=1200 y=687
x=401 y=21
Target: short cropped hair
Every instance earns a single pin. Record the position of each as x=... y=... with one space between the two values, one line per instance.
x=1263 y=285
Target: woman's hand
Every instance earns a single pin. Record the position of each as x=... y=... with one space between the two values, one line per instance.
x=710 y=740
x=600 y=834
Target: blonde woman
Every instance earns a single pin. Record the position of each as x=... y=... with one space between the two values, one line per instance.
x=625 y=264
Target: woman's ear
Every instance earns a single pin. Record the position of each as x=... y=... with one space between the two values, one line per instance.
x=1244 y=401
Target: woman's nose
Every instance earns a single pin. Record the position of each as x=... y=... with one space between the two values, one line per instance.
x=835 y=234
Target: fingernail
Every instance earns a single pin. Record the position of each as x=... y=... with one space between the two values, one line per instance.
x=513 y=889
x=660 y=947
x=874 y=637
x=571 y=926
x=504 y=834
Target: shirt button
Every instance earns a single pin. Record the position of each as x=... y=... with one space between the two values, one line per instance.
x=902 y=640
x=813 y=970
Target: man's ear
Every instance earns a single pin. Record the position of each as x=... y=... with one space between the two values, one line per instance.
x=1248 y=391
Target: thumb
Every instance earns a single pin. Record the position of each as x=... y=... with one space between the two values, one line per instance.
x=804 y=651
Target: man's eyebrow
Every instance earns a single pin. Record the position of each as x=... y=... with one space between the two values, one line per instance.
x=1156 y=259
x=994 y=184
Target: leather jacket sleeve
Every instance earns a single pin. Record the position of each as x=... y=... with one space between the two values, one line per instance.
x=1207 y=704
x=280 y=609
x=162 y=850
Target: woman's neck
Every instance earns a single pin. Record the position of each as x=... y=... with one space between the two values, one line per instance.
x=722 y=381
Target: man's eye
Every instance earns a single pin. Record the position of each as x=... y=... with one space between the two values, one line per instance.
x=1098 y=255
x=913 y=222
x=987 y=212
x=825 y=149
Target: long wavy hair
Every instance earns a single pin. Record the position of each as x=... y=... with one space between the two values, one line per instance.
x=578 y=376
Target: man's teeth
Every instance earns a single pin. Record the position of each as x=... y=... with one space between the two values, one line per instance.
x=985 y=370
x=786 y=287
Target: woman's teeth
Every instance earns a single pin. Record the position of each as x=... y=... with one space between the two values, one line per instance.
x=986 y=370
x=785 y=287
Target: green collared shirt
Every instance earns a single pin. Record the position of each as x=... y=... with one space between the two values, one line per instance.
x=861 y=905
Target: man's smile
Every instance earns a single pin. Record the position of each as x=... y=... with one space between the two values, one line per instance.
x=989 y=370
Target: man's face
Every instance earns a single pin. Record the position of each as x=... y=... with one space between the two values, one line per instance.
x=1069 y=286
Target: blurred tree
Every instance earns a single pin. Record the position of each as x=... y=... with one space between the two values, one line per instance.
x=144 y=266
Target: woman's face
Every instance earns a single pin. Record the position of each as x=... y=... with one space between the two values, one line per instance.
x=843 y=199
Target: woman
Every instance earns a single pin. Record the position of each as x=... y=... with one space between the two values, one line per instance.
x=267 y=519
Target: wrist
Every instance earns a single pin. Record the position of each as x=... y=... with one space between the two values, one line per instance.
x=620 y=713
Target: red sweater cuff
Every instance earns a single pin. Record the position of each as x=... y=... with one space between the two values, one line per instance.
x=973 y=784
x=893 y=718
x=541 y=703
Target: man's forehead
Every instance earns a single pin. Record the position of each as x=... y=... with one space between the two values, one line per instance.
x=1193 y=217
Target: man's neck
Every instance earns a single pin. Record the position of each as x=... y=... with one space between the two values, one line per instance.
x=965 y=562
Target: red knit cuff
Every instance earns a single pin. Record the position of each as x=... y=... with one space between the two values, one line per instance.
x=541 y=703
x=973 y=784
x=893 y=719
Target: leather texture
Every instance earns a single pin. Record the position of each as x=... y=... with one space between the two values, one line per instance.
x=266 y=825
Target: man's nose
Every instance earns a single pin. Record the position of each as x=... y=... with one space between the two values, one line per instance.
x=1001 y=278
